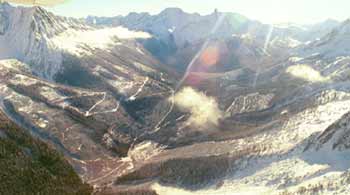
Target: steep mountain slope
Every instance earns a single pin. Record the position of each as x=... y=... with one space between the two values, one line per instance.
x=335 y=137
x=92 y=128
x=25 y=34
x=29 y=166
x=49 y=44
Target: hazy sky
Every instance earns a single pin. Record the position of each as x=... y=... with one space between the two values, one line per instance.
x=268 y=11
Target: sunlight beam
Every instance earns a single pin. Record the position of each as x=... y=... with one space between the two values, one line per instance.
x=200 y=52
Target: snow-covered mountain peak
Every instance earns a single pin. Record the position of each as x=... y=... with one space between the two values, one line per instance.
x=172 y=11
x=21 y=22
x=25 y=34
x=39 y=38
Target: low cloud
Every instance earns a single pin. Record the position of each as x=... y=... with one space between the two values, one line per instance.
x=306 y=73
x=72 y=40
x=38 y=2
x=204 y=109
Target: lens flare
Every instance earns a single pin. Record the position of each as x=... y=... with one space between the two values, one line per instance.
x=209 y=57
x=201 y=51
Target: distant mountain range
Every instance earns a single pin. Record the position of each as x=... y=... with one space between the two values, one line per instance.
x=174 y=30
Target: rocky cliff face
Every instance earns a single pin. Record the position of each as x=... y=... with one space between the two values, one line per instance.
x=43 y=40
x=26 y=34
